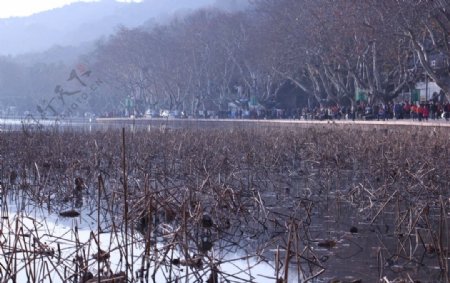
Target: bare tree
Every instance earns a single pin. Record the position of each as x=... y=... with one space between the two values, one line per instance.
x=426 y=25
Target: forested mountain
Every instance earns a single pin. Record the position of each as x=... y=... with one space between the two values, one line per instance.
x=83 y=22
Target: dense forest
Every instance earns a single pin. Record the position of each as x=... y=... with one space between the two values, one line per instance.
x=275 y=53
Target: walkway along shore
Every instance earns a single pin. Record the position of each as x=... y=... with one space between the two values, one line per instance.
x=247 y=123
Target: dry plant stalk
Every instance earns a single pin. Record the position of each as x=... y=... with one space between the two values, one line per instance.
x=189 y=200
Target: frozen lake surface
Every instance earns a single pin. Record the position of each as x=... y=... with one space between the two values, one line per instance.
x=347 y=204
x=39 y=245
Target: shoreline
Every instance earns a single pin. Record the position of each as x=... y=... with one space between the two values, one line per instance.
x=246 y=123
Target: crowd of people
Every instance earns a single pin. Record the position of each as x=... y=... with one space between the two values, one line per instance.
x=422 y=111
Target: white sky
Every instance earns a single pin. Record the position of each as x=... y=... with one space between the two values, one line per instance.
x=15 y=8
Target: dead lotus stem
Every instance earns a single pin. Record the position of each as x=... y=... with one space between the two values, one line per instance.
x=316 y=165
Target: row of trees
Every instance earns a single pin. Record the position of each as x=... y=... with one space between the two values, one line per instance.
x=324 y=50
x=288 y=52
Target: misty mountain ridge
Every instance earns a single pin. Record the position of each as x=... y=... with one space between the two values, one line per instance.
x=80 y=24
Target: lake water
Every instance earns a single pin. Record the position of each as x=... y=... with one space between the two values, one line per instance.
x=347 y=223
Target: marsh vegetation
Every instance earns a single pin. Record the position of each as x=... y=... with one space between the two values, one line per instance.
x=316 y=204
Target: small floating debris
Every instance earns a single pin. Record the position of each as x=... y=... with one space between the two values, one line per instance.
x=69 y=213
x=194 y=262
x=430 y=249
x=353 y=230
x=207 y=221
x=205 y=245
x=101 y=256
x=327 y=244
x=79 y=184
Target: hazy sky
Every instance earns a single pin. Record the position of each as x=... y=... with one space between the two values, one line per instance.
x=15 y=8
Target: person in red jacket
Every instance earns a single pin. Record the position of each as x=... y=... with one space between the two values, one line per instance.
x=426 y=112
x=414 y=111
x=420 y=112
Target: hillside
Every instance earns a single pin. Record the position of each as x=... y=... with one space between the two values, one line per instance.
x=81 y=23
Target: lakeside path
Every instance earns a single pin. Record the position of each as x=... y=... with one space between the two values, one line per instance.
x=246 y=123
